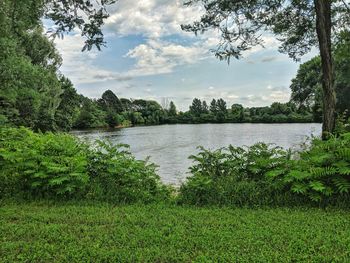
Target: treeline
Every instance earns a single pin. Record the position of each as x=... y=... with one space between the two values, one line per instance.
x=110 y=111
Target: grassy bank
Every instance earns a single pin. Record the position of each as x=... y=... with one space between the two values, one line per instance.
x=159 y=233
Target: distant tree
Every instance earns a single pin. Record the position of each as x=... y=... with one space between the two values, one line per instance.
x=299 y=25
x=196 y=107
x=221 y=110
x=306 y=87
x=110 y=102
x=205 y=108
x=90 y=115
x=213 y=106
x=237 y=111
x=221 y=106
x=172 y=109
x=127 y=104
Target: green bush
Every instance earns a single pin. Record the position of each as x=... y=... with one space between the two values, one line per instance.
x=41 y=165
x=47 y=165
x=265 y=175
x=236 y=176
x=117 y=176
x=322 y=172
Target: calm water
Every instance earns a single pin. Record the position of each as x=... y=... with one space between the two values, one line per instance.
x=170 y=145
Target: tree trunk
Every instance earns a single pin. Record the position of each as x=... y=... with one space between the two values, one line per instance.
x=324 y=28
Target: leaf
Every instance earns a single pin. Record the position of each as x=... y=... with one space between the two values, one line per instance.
x=317 y=186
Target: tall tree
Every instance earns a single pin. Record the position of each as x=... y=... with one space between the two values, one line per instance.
x=221 y=106
x=213 y=106
x=299 y=25
x=196 y=107
x=172 y=109
x=205 y=108
x=110 y=102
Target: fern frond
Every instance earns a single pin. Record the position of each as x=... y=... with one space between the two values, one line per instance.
x=343 y=185
x=323 y=171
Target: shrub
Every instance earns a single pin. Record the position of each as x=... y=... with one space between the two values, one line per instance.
x=236 y=176
x=47 y=165
x=41 y=164
x=322 y=172
x=117 y=176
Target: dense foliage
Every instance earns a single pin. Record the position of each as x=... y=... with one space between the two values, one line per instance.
x=236 y=176
x=33 y=93
x=36 y=165
x=306 y=87
x=267 y=175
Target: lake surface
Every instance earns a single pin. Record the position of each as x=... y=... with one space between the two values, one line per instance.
x=169 y=146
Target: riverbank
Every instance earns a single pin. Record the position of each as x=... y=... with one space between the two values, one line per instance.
x=80 y=232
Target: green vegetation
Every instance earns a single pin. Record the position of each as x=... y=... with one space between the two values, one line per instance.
x=156 y=233
x=266 y=175
x=58 y=166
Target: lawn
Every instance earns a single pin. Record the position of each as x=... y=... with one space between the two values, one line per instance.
x=162 y=233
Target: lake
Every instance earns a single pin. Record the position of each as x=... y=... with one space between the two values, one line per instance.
x=169 y=146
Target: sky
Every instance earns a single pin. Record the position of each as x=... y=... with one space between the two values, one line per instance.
x=148 y=56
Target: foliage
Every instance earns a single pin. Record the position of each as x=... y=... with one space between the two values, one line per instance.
x=261 y=175
x=306 y=87
x=37 y=165
x=322 y=172
x=116 y=176
x=236 y=176
x=41 y=165
x=79 y=232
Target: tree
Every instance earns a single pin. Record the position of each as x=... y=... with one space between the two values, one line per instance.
x=31 y=93
x=68 y=108
x=221 y=110
x=221 y=106
x=205 y=108
x=110 y=102
x=196 y=107
x=237 y=112
x=306 y=87
x=299 y=25
x=172 y=109
x=213 y=106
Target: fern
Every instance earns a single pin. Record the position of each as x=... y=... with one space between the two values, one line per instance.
x=317 y=186
x=343 y=185
x=344 y=154
x=323 y=171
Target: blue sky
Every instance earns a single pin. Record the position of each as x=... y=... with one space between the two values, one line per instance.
x=148 y=56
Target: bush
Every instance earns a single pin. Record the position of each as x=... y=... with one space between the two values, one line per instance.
x=322 y=172
x=236 y=176
x=47 y=165
x=265 y=175
x=117 y=176
x=41 y=164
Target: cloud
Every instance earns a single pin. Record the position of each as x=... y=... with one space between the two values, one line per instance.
x=269 y=59
x=150 y=18
x=160 y=57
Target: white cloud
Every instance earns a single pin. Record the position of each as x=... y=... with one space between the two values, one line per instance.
x=159 y=57
x=150 y=18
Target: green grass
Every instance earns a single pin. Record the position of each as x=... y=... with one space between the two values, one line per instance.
x=163 y=233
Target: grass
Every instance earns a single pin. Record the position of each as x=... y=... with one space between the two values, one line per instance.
x=43 y=232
